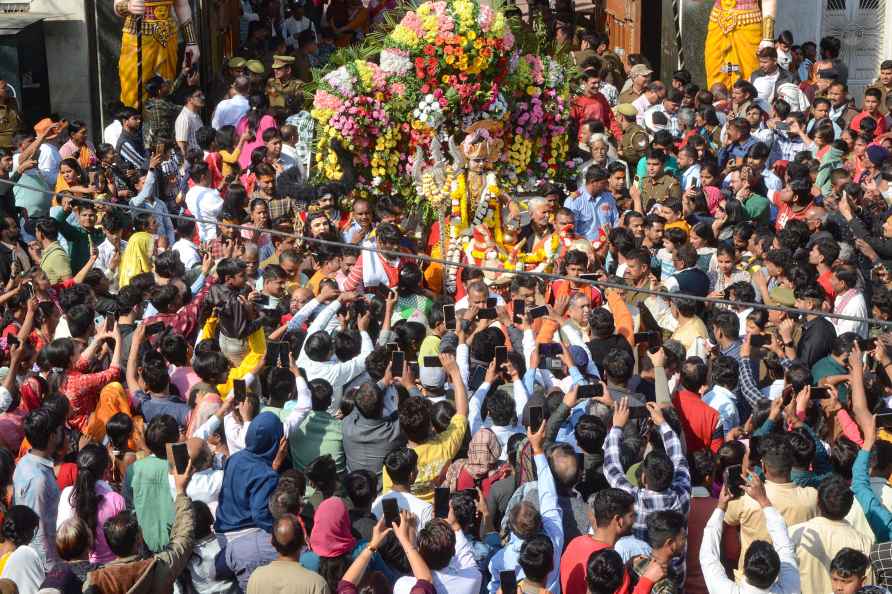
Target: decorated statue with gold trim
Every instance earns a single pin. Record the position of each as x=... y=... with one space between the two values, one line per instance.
x=468 y=197
x=736 y=31
x=159 y=20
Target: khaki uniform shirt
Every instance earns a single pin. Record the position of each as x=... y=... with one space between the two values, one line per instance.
x=659 y=189
x=634 y=144
x=628 y=96
x=285 y=94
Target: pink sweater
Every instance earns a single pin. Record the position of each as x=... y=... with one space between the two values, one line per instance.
x=111 y=504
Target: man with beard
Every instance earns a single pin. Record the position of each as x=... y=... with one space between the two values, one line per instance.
x=613 y=515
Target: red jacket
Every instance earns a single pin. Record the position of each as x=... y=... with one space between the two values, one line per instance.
x=700 y=422
x=595 y=108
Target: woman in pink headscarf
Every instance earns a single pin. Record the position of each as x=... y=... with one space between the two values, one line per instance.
x=332 y=543
x=260 y=123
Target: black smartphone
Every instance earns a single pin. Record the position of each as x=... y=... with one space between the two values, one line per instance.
x=508 y=582
x=884 y=420
x=12 y=340
x=520 y=307
x=538 y=312
x=273 y=348
x=441 y=502
x=639 y=412
x=180 y=455
x=239 y=390
x=391 y=511
x=590 y=391
x=449 y=316
x=501 y=355
x=648 y=338
x=550 y=349
x=491 y=302
x=487 y=313
x=262 y=300
x=283 y=355
x=760 y=340
x=589 y=277
x=397 y=363
x=432 y=362
x=820 y=393
x=413 y=368
x=867 y=344
x=155 y=328
x=476 y=378
x=109 y=323
x=392 y=346
x=29 y=290
x=537 y=415
x=734 y=480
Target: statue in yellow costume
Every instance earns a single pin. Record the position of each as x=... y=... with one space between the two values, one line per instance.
x=158 y=19
x=736 y=31
x=467 y=195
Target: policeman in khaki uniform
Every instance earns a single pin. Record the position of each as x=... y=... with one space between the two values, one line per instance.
x=283 y=90
x=256 y=74
x=635 y=138
x=235 y=67
x=658 y=186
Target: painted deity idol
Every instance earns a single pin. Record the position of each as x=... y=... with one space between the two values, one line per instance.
x=736 y=31
x=478 y=220
x=159 y=21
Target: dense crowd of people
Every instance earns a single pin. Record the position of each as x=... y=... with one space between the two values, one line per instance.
x=197 y=395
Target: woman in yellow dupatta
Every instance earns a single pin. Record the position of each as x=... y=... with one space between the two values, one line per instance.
x=71 y=178
x=137 y=256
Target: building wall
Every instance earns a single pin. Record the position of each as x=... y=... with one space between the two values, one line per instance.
x=67 y=53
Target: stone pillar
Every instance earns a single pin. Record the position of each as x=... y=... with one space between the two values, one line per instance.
x=694 y=16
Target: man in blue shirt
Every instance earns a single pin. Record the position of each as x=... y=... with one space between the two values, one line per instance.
x=593 y=206
x=34 y=483
x=550 y=517
x=738 y=141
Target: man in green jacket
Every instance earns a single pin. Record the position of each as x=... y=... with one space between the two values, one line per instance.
x=80 y=238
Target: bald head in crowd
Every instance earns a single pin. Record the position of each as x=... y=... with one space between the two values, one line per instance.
x=288 y=537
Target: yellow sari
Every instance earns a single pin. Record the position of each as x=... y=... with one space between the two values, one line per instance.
x=137 y=257
x=732 y=37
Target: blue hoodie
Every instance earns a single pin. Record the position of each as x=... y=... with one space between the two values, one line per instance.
x=249 y=479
